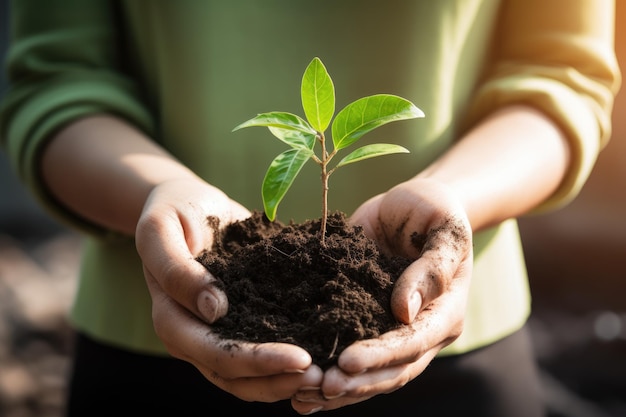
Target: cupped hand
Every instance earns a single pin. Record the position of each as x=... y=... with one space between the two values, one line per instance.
x=172 y=230
x=422 y=220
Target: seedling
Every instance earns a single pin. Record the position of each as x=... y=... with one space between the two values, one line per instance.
x=350 y=124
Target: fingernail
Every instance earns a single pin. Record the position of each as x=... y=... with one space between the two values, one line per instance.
x=208 y=305
x=332 y=397
x=294 y=371
x=361 y=372
x=314 y=410
x=414 y=305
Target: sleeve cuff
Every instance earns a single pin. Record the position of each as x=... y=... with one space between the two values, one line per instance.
x=38 y=117
x=586 y=127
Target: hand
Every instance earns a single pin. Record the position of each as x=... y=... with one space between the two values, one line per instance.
x=423 y=220
x=172 y=231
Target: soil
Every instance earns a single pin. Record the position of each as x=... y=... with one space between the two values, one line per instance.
x=283 y=285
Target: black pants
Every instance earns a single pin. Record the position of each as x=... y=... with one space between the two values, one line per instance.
x=500 y=380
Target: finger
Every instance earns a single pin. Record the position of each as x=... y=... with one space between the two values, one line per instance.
x=161 y=243
x=340 y=389
x=448 y=246
x=421 y=282
x=190 y=339
x=434 y=328
x=310 y=401
x=273 y=388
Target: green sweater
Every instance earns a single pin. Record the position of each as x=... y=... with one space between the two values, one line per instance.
x=187 y=72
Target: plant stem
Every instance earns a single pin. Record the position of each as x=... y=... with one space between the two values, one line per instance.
x=324 y=177
x=324 y=203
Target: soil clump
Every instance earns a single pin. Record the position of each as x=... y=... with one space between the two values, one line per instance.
x=283 y=285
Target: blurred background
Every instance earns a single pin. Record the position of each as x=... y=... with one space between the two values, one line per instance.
x=576 y=261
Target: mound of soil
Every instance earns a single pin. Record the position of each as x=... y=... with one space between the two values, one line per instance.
x=284 y=286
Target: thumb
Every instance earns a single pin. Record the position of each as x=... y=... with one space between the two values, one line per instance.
x=406 y=298
x=421 y=283
x=212 y=303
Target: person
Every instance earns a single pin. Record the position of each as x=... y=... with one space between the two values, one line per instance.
x=119 y=119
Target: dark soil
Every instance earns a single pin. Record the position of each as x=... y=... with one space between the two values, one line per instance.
x=284 y=286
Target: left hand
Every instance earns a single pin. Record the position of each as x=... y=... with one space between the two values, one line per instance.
x=422 y=220
x=186 y=298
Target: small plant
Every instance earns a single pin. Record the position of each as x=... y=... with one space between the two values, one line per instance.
x=355 y=120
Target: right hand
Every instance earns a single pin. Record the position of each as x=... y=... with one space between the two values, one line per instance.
x=422 y=220
x=171 y=232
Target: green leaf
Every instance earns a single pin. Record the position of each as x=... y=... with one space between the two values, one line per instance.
x=294 y=138
x=368 y=113
x=371 y=151
x=279 y=177
x=281 y=120
x=318 y=95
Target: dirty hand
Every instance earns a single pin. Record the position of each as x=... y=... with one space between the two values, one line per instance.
x=422 y=220
x=171 y=232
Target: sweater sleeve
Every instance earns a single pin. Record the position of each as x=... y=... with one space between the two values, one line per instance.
x=62 y=64
x=558 y=56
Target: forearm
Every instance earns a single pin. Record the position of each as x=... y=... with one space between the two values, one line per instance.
x=103 y=170
x=505 y=166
